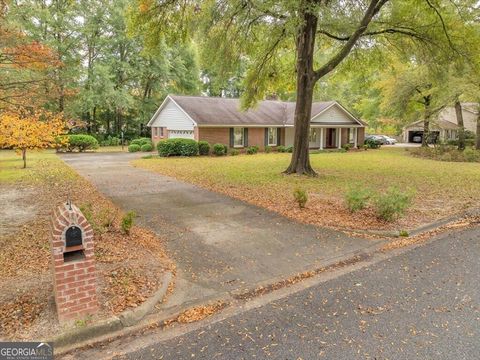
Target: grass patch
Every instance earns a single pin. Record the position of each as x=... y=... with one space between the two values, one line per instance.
x=441 y=188
x=41 y=166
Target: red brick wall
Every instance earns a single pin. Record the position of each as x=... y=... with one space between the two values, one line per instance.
x=214 y=135
x=74 y=280
x=156 y=137
x=344 y=136
x=256 y=136
x=361 y=136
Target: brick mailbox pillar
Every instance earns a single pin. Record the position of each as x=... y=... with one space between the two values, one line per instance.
x=73 y=264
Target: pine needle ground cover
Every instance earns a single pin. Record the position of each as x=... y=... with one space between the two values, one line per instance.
x=125 y=278
x=440 y=188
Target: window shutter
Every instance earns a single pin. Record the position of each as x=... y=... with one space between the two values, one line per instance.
x=245 y=137
x=266 y=136
x=231 y=137
x=279 y=134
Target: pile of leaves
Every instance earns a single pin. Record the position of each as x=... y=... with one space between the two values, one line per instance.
x=200 y=312
x=20 y=312
x=125 y=278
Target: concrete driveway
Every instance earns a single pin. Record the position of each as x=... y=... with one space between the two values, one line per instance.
x=219 y=244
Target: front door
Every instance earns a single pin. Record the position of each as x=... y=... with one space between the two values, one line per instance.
x=330 y=141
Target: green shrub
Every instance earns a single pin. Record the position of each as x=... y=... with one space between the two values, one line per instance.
x=134 y=148
x=141 y=141
x=127 y=221
x=372 y=143
x=268 y=149
x=471 y=155
x=110 y=141
x=444 y=152
x=357 y=198
x=203 y=148
x=146 y=147
x=251 y=150
x=80 y=142
x=234 y=152
x=300 y=196
x=220 y=149
x=281 y=149
x=289 y=149
x=392 y=204
x=347 y=147
x=177 y=147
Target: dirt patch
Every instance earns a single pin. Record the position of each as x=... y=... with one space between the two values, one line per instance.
x=129 y=266
x=15 y=209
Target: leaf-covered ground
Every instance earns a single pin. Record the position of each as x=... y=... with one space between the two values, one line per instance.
x=125 y=278
x=441 y=188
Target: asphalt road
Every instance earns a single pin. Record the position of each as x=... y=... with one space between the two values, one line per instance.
x=423 y=304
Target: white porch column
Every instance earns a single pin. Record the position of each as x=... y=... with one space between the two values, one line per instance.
x=321 y=138
x=355 y=137
x=339 y=138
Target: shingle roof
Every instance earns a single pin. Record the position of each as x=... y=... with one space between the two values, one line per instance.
x=442 y=124
x=222 y=111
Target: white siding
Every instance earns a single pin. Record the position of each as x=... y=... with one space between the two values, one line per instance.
x=173 y=118
x=469 y=119
x=334 y=115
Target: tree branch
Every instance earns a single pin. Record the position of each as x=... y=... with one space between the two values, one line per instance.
x=372 y=10
x=373 y=33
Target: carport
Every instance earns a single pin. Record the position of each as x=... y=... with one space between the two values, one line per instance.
x=416 y=136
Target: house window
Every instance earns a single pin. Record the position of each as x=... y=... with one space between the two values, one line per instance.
x=238 y=137
x=351 y=139
x=312 y=137
x=161 y=131
x=272 y=136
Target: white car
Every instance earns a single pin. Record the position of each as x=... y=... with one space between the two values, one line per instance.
x=388 y=140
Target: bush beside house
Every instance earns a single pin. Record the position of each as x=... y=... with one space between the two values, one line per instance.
x=177 y=147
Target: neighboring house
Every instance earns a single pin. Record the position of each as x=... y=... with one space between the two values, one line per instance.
x=270 y=123
x=444 y=127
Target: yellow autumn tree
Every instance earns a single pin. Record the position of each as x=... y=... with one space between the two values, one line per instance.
x=37 y=130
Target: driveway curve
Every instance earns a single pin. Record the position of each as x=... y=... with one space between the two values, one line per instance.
x=219 y=244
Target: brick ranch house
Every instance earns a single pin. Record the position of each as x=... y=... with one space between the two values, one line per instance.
x=270 y=123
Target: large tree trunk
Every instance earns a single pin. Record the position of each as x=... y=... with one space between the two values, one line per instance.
x=478 y=131
x=426 y=121
x=300 y=163
x=461 y=126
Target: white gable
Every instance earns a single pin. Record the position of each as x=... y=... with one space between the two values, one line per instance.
x=171 y=116
x=334 y=115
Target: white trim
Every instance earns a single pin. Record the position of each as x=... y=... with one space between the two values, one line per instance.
x=149 y=124
x=282 y=126
x=321 y=138
x=349 y=114
x=240 y=125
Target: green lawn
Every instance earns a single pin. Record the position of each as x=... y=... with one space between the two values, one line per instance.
x=441 y=187
x=11 y=166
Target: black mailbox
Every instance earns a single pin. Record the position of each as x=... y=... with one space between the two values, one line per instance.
x=73 y=236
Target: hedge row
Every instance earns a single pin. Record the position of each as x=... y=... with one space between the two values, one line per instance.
x=177 y=147
x=189 y=147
